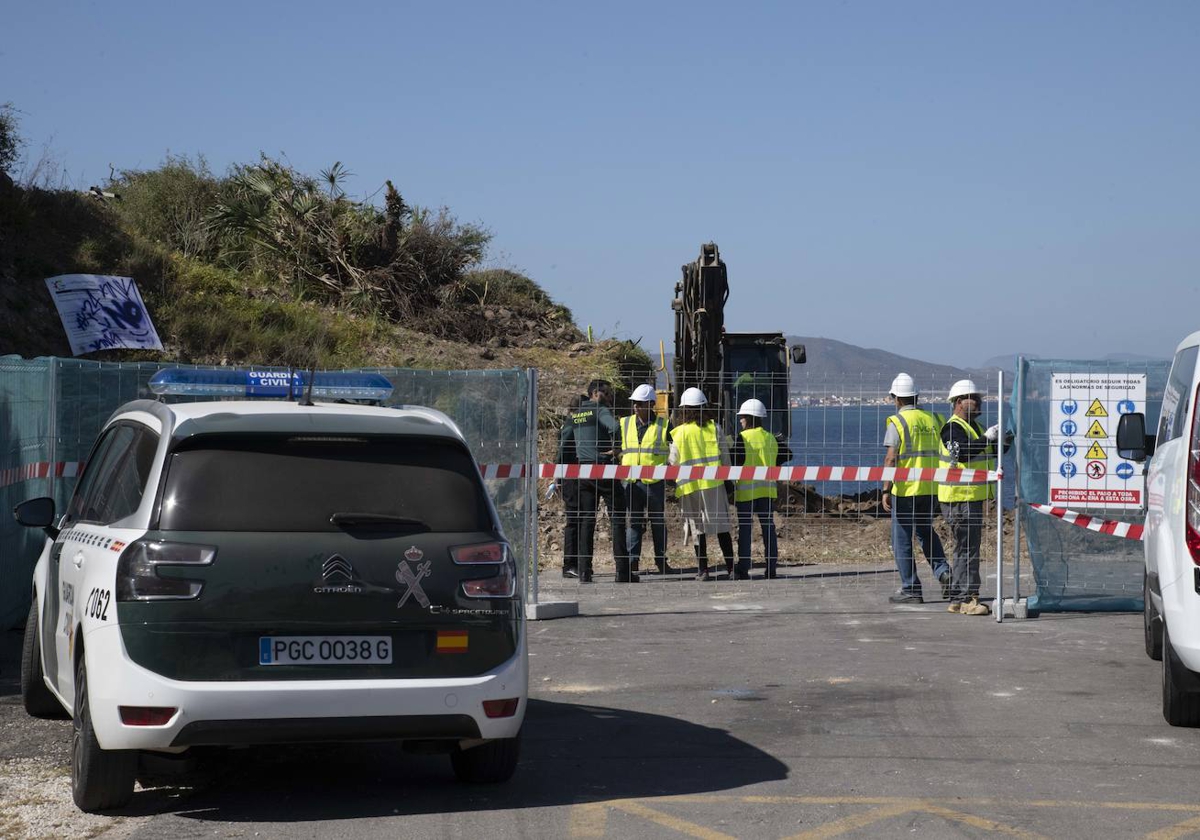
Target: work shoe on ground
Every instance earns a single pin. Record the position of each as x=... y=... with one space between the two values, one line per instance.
x=944 y=580
x=903 y=597
x=973 y=607
x=954 y=607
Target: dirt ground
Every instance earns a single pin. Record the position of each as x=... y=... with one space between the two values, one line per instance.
x=845 y=536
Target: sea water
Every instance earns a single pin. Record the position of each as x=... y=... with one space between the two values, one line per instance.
x=852 y=436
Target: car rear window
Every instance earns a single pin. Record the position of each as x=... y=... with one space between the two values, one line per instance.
x=296 y=483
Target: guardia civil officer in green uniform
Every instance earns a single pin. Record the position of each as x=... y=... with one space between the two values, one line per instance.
x=644 y=443
x=911 y=438
x=596 y=437
x=755 y=446
x=569 y=488
x=964 y=445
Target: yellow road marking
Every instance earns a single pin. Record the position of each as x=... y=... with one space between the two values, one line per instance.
x=1174 y=832
x=1119 y=806
x=668 y=821
x=589 y=820
x=854 y=821
x=980 y=822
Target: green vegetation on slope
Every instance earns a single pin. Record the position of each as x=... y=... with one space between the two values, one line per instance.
x=266 y=265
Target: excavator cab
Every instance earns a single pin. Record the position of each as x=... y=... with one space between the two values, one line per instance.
x=756 y=367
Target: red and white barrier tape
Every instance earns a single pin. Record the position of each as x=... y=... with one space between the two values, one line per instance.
x=805 y=473
x=1128 y=530
x=67 y=469
x=41 y=469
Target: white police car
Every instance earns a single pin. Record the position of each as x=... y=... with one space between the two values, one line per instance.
x=234 y=573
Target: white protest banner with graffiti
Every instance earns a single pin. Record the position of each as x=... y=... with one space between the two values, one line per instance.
x=100 y=312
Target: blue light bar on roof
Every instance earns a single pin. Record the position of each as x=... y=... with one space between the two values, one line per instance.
x=270 y=383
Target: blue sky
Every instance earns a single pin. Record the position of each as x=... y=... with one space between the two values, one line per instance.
x=944 y=180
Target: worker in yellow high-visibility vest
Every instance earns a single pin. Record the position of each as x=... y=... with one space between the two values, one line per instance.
x=755 y=446
x=911 y=438
x=644 y=443
x=965 y=445
x=696 y=441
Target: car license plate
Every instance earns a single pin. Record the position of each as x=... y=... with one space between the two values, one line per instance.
x=324 y=650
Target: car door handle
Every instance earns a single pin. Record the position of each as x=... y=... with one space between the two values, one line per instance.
x=77 y=559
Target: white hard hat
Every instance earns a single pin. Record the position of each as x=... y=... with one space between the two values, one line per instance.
x=693 y=397
x=961 y=388
x=753 y=408
x=642 y=393
x=903 y=386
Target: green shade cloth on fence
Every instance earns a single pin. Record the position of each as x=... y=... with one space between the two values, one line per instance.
x=1074 y=568
x=52 y=409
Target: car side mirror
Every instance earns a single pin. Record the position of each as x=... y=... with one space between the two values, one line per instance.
x=1132 y=442
x=37 y=513
x=798 y=356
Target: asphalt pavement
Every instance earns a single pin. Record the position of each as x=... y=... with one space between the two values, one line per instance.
x=812 y=709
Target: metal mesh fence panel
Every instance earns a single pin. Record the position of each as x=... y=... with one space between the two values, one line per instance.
x=831 y=532
x=1075 y=568
x=53 y=409
x=25 y=434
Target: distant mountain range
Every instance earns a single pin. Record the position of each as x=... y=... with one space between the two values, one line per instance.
x=835 y=368
x=1009 y=362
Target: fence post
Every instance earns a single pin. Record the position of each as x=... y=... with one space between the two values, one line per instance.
x=1000 y=498
x=1020 y=391
x=531 y=486
x=52 y=427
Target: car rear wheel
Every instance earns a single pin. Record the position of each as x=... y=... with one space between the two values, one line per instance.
x=100 y=779
x=1151 y=623
x=489 y=763
x=35 y=696
x=1180 y=706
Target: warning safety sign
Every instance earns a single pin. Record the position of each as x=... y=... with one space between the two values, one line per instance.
x=1085 y=469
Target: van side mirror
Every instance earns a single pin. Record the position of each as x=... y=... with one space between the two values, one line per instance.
x=37 y=513
x=798 y=357
x=1132 y=442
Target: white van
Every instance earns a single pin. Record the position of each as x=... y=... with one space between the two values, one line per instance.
x=1171 y=583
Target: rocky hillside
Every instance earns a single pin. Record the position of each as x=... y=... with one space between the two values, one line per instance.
x=219 y=264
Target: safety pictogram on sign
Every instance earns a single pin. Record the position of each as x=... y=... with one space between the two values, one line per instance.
x=1084 y=466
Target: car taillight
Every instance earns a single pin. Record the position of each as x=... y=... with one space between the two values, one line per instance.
x=1192 y=531
x=501 y=708
x=492 y=552
x=147 y=715
x=502 y=584
x=139 y=571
